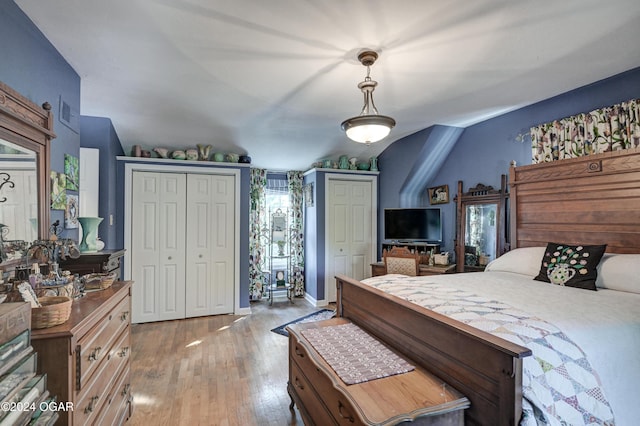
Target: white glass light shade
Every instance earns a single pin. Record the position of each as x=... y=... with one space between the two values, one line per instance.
x=368 y=128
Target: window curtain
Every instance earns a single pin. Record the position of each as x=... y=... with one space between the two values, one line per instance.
x=606 y=129
x=257 y=231
x=296 y=234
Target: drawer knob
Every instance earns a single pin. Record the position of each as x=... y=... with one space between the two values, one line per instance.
x=125 y=390
x=347 y=416
x=123 y=352
x=124 y=316
x=92 y=403
x=93 y=356
x=298 y=384
x=299 y=352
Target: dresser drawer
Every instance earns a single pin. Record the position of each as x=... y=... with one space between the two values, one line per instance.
x=117 y=398
x=337 y=404
x=312 y=409
x=94 y=396
x=94 y=346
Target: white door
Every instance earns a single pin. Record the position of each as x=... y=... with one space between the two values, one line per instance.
x=350 y=233
x=158 y=246
x=210 y=244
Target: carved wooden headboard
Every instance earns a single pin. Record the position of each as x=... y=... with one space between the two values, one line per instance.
x=588 y=200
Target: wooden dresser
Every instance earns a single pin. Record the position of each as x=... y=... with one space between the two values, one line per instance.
x=101 y=261
x=324 y=399
x=87 y=359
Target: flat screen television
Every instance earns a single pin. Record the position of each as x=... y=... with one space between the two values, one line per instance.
x=413 y=224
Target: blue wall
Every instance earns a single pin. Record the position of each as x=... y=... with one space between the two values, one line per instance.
x=484 y=151
x=314 y=246
x=31 y=65
x=98 y=132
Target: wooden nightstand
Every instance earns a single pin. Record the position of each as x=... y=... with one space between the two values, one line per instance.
x=378 y=269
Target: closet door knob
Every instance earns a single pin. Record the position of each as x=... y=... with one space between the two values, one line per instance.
x=169 y=258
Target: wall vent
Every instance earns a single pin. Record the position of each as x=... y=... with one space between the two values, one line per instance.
x=68 y=116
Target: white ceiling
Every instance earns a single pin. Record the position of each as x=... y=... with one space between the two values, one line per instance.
x=275 y=79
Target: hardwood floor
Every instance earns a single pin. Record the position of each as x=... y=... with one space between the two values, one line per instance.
x=220 y=370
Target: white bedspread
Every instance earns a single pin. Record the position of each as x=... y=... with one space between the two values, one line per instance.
x=605 y=324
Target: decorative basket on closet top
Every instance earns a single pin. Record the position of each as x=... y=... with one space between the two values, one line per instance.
x=55 y=310
x=98 y=281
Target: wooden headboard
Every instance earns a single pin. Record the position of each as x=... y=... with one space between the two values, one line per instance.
x=588 y=200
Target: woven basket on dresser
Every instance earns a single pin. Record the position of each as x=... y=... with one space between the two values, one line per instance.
x=98 y=281
x=55 y=310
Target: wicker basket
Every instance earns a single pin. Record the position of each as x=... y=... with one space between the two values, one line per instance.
x=441 y=259
x=69 y=290
x=98 y=281
x=55 y=310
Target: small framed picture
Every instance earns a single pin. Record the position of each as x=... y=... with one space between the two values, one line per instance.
x=280 y=278
x=71 y=213
x=58 y=191
x=72 y=172
x=439 y=194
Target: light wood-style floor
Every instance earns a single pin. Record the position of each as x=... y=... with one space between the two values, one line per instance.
x=219 y=370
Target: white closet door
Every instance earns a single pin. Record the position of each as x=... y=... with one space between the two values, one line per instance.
x=349 y=231
x=210 y=244
x=158 y=246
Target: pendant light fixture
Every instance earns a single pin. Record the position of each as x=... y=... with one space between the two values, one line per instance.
x=369 y=126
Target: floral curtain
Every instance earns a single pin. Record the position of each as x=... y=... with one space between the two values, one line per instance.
x=296 y=234
x=257 y=225
x=606 y=129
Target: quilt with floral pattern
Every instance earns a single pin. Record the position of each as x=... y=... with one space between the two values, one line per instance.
x=559 y=385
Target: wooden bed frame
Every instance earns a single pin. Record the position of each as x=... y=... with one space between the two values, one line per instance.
x=589 y=200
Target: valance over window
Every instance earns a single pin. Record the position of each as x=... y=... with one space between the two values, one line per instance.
x=606 y=129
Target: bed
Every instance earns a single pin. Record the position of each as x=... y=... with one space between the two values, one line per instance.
x=590 y=201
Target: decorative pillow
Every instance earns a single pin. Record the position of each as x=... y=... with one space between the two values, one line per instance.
x=571 y=265
x=523 y=260
x=619 y=272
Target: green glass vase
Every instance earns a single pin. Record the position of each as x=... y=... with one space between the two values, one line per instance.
x=89 y=233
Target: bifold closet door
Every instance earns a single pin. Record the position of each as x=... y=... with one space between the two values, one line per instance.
x=158 y=246
x=210 y=244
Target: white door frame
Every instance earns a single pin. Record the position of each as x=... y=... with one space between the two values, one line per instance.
x=330 y=281
x=129 y=168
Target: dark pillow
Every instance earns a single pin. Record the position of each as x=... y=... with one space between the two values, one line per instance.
x=571 y=265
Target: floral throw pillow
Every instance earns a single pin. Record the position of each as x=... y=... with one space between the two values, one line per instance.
x=571 y=265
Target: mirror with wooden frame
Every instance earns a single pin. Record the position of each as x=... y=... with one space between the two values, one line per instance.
x=481 y=229
x=26 y=130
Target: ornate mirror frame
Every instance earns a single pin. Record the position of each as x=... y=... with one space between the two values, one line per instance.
x=24 y=123
x=480 y=195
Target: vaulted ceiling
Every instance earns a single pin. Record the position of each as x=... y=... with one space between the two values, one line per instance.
x=274 y=79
